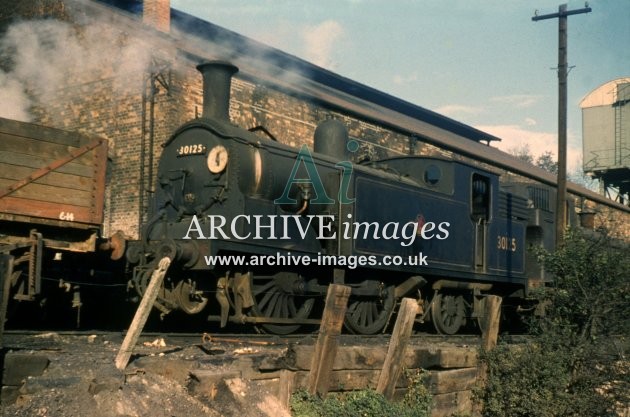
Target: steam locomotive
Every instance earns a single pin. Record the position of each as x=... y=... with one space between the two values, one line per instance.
x=264 y=228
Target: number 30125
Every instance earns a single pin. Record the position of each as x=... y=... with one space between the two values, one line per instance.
x=506 y=243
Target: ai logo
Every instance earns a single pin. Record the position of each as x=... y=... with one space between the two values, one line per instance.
x=305 y=157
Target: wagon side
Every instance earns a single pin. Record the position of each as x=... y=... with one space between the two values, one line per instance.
x=52 y=181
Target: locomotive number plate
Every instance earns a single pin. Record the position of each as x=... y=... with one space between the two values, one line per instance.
x=506 y=243
x=196 y=149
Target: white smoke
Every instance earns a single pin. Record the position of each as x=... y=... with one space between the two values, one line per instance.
x=14 y=103
x=46 y=55
x=320 y=42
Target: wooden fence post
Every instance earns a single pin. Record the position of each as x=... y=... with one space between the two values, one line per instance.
x=327 y=341
x=492 y=312
x=392 y=367
x=489 y=335
x=142 y=314
x=286 y=384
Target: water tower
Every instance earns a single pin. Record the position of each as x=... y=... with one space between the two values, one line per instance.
x=606 y=137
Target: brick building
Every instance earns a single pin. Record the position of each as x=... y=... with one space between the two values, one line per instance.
x=125 y=70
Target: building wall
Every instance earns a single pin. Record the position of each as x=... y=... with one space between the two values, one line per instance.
x=117 y=106
x=617 y=223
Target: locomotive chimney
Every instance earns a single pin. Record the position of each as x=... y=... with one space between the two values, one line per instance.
x=217 y=77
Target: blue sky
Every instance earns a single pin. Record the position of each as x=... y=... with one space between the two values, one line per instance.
x=484 y=63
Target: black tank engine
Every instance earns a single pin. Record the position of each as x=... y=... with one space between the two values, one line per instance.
x=257 y=230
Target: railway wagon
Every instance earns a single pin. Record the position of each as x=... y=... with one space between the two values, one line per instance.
x=52 y=184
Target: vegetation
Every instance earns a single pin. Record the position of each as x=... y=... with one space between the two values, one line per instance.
x=545 y=160
x=575 y=366
x=365 y=403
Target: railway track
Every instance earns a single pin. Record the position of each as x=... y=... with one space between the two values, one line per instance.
x=45 y=338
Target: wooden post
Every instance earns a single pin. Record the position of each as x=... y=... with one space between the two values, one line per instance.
x=563 y=72
x=142 y=314
x=489 y=335
x=327 y=341
x=397 y=345
x=492 y=312
x=285 y=387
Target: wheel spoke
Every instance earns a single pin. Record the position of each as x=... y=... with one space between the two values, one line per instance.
x=373 y=313
x=370 y=315
x=292 y=310
x=262 y=304
x=257 y=290
x=275 y=298
x=285 y=306
x=279 y=306
x=364 y=314
x=447 y=313
x=273 y=305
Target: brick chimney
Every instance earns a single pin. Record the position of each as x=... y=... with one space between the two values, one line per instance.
x=157 y=14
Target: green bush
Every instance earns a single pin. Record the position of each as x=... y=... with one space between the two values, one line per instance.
x=575 y=364
x=364 y=403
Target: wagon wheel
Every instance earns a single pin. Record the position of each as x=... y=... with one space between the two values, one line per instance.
x=280 y=296
x=370 y=315
x=448 y=313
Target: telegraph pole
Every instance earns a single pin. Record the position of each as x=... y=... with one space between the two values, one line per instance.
x=561 y=211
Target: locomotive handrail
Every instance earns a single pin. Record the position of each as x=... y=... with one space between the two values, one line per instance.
x=261 y=128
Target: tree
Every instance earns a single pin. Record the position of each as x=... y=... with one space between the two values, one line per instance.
x=591 y=288
x=545 y=160
x=523 y=153
x=581 y=178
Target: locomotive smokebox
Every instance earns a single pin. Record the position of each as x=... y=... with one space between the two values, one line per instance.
x=217 y=77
